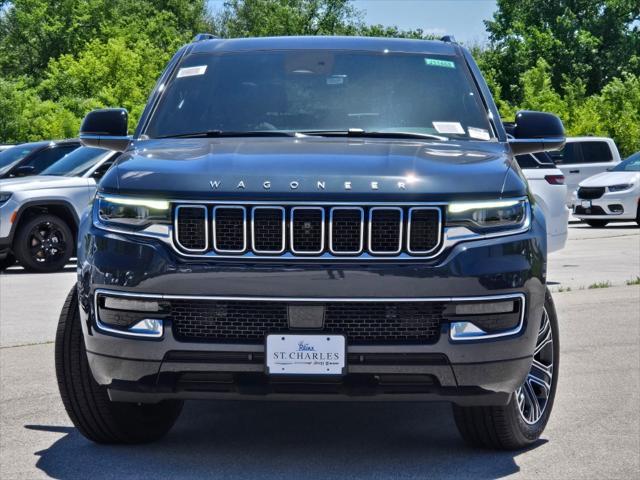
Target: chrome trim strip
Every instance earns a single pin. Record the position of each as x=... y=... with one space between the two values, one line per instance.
x=395 y=252
x=507 y=333
x=284 y=233
x=160 y=296
x=206 y=228
x=488 y=298
x=356 y=252
x=244 y=228
x=291 y=237
x=423 y=252
x=104 y=328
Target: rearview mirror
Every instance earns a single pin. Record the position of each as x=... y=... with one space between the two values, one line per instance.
x=535 y=132
x=106 y=128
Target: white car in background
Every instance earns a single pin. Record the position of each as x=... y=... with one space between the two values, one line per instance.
x=612 y=196
x=547 y=186
x=583 y=157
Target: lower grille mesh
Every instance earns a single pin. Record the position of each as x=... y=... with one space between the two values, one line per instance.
x=361 y=322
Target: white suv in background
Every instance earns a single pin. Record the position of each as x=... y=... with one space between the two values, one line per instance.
x=583 y=157
x=550 y=192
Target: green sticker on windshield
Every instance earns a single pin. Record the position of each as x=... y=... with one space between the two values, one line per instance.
x=435 y=62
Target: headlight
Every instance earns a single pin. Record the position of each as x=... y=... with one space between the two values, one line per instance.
x=132 y=213
x=621 y=187
x=4 y=197
x=489 y=216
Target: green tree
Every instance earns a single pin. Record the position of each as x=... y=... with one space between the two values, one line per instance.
x=591 y=40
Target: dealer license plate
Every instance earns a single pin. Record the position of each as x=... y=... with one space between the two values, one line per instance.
x=305 y=354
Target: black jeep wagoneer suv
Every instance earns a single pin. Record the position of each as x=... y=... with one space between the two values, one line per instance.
x=313 y=219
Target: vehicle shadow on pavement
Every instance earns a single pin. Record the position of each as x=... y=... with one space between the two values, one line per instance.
x=286 y=440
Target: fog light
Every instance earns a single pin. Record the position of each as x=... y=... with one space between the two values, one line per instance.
x=484 y=308
x=149 y=327
x=462 y=330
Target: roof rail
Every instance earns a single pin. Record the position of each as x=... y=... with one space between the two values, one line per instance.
x=204 y=36
x=448 y=39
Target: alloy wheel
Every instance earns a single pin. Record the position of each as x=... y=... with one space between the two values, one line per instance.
x=533 y=395
x=46 y=242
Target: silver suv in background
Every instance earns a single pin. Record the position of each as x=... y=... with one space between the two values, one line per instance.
x=583 y=157
x=39 y=215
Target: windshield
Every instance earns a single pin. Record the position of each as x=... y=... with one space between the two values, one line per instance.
x=631 y=164
x=76 y=163
x=320 y=90
x=11 y=156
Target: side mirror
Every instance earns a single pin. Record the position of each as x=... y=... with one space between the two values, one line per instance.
x=536 y=132
x=106 y=128
x=24 y=171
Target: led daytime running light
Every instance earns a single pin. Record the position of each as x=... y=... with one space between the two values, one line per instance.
x=466 y=206
x=139 y=202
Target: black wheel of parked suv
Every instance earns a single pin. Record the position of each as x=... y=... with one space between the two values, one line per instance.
x=7 y=262
x=88 y=404
x=597 y=223
x=43 y=244
x=521 y=422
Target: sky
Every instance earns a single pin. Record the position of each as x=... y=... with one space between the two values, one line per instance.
x=460 y=18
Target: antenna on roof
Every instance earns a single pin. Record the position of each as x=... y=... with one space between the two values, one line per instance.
x=448 y=39
x=204 y=36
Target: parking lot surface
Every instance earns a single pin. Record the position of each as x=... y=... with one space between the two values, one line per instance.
x=594 y=431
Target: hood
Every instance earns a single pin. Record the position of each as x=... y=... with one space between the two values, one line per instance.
x=605 y=179
x=315 y=168
x=40 y=182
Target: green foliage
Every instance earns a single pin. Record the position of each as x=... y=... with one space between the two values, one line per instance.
x=591 y=40
x=60 y=58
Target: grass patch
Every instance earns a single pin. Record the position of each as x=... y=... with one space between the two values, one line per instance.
x=636 y=281
x=564 y=289
x=606 y=284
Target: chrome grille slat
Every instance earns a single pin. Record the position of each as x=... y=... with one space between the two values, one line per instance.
x=268 y=229
x=313 y=230
x=307 y=230
x=385 y=230
x=192 y=231
x=229 y=229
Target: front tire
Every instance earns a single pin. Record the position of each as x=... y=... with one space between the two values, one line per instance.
x=88 y=404
x=44 y=244
x=521 y=422
x=597 y=223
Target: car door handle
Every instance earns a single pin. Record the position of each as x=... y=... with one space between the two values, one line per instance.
x=574 y=171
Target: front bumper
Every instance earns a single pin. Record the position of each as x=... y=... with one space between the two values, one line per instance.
x=484 y=371
x=611 y=207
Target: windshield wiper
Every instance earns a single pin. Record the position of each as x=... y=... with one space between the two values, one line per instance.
x=230 y=133
x=358 y=132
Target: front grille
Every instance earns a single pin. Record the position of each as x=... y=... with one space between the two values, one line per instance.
x=308 y=230
x=361 y=322
x=268 y=229
x=595 y=210
x=191 y=227
x=590 y=193
x=385 y=230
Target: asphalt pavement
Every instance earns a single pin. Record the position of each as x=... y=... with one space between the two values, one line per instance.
x=594 y=431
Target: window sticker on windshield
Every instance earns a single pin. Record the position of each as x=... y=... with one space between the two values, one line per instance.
x=436 y=62
x=479 y=133
x=192 y=71
x=448 y=127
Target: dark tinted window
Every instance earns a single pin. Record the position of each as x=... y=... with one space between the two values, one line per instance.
x=76 y=163
x=536 y=160
x=47 y=157
x=595 y=152
x=11 y=156
x=102 y=169
x=568 y=155
x=300 y=90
